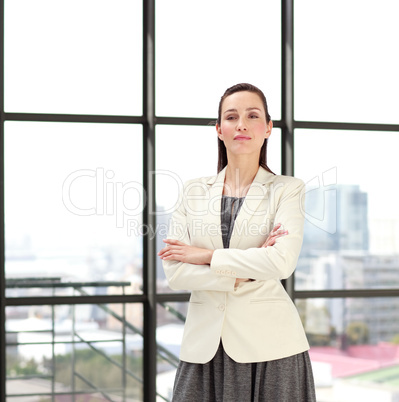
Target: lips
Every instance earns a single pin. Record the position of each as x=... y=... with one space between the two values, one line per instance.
x=241 y=138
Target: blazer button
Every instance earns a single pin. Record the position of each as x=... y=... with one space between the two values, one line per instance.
x=221 y=307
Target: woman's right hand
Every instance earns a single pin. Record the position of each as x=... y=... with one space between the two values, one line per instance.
x=274 y=234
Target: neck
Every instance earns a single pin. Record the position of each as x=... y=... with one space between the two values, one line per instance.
x=240 y=174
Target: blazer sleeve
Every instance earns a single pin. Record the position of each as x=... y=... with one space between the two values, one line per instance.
x=274 y=262
x=185 y=276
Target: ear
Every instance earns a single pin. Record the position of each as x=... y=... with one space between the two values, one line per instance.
x=219 y=131
x=269 y=129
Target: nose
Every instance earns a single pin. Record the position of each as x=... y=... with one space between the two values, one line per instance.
x=241 y=126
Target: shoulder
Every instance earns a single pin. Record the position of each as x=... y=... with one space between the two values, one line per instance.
x=200 y=180
x=199 y=186
x=283 y=187
x=208 y=181
x=288 y=181
x=267 y=178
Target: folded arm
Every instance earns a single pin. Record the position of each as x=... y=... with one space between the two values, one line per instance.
x=193 y=268
x=176 y=250
x=187 y=267
x=277 y=262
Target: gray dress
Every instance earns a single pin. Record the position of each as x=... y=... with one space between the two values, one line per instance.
x=223 y=380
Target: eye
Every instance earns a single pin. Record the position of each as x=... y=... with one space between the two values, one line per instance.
x=231 y=117
x=253 y=116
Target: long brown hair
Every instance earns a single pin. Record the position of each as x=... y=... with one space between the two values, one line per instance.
x=222 y=154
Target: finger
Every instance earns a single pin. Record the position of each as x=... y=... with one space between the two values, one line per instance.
x=274 y=231
x=173 y=252
x=268 y=242
x=168 y=256
x=173 y=242
x=173 y=257
x=282 y=232
x=167 y=253
x=162 y=251
x=279 y=233
x=169 y=248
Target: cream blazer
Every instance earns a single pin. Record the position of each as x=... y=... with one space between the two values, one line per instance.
x=257 y=320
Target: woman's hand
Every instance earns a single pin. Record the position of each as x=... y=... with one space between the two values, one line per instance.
x=274 y=234
x=179 y=251
x=239 y=280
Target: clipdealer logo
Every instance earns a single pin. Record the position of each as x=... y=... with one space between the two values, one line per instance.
x=109 y=196
x=321 y=201
x=128 y=199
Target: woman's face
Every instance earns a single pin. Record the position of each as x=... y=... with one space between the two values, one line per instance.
x=243 y=127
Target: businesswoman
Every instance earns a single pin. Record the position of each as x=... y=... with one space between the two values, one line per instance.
x=232 y=239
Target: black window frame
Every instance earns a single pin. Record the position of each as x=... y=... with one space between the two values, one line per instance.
x=150 y=298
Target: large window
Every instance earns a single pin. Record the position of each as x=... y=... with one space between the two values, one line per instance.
x=351 y=216
x=345 y=140
x=344 y=61
x=73 y=204
x=203 y=48
x=109 y=107
x=81 y=57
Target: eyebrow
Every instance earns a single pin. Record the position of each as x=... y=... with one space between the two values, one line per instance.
x=248 y=109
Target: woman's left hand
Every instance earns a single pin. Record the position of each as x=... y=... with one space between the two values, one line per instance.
x=179 y=251
x=277 y=232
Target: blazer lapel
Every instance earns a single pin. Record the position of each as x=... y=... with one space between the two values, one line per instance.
x=212 y=219
x=250 y=210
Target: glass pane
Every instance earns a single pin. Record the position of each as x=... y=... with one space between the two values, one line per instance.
x=86 y=350
x=351 y=209
x=73 y=56
x=183 y=153
x=203 y=48
x=73 y=202
x=170 y=325
x=346 y=61
x=354 y=347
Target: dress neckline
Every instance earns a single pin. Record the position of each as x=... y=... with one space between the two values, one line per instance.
x=229 y=196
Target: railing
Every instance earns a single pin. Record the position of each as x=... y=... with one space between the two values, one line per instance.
x=109 y=394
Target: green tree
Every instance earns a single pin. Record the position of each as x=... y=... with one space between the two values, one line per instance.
x=357 y=333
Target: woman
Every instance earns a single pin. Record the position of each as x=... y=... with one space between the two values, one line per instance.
x=232 y=239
